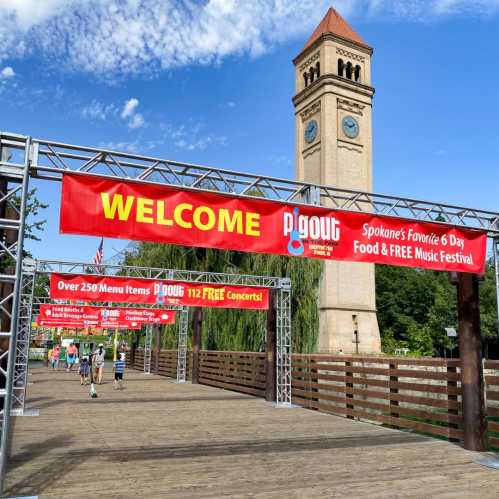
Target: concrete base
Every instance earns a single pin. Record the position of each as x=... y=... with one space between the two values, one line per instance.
x=25 y=412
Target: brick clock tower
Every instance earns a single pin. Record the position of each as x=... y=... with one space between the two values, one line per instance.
x=333 y=105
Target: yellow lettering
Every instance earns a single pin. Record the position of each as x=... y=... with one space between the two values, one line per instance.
x=252 y=224
x=144 y=210
x=177 y=215
x=160 y=215
x=116 y=204
x=196 y=218
x=224 y=220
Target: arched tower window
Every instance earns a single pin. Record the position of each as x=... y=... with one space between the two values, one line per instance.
x=312 y=73
x=305 y=77
x=341 y=67
x=357 y=73
x=349 y=70
x=318 y=69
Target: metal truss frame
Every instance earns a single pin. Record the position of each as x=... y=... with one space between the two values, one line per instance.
x=14 y=184
x=148 y=349
x=495 y=249
x=23 y=339
x=50 y=160
x=283 y=287
x=183 y=329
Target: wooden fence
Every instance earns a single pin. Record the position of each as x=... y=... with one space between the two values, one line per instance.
x=491 y=368
x=238 y=371
x=419 y=394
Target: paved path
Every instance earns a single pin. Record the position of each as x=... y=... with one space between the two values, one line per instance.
x=158 y=439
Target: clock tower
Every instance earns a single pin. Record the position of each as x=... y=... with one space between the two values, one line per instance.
x=333 y=105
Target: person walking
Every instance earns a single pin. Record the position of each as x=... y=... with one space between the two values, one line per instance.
x=98 y=362
x=119 y=371
x=84 y=370
x=49 y=357
x=72 y=353
x=56 y=354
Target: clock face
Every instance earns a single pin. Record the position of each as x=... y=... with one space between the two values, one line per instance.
x=311 y=131
x=350 y=127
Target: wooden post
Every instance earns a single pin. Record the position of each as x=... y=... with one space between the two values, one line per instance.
x=158 y=348
x=452 y=397
x=348 y=385
x=393 y=403
x=470 y=349
x=197 y=326
x=271 y=350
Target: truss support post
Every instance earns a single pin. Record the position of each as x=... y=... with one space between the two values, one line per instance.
x=271 y=350
x=495 y=249
x=197 y=327
x=147 y=349
x=182 y=345
x=12 y=256
x=21 y=367
x=284 y=344
x=158 y=348
x=470 y=349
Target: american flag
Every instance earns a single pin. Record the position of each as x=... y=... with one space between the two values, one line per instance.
x=100 y=253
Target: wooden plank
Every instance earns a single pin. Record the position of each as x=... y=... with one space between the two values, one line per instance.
x=406 y=361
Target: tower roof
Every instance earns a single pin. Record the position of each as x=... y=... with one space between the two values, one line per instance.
x=334 y=24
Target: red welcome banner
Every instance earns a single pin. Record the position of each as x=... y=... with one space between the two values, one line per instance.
x=144 y=212
x=103 y=316
x=131 y=290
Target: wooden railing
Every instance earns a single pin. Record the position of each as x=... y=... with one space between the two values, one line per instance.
x=418 y=394
x=491 y=376
x=238 y=371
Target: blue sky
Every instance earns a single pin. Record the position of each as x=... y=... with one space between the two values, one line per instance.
x=212 y=82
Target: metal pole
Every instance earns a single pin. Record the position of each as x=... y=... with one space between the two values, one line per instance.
x=12 y=334
x=495 y=249
x=147 y=349
x=284 y=344
x=197 y=319
x=271 y=347
x=23 y=341
x=182 y=346
x=470 y=348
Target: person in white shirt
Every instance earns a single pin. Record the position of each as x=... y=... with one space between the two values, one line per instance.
x=98 y=363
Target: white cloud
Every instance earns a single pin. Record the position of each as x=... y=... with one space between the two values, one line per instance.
x=98 y=111
x=129 y=114
x=129 y=108
x=191 y=136
x=112 y=37
x=6 y=73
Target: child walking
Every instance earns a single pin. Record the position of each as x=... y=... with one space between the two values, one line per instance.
x=84 y=370
x=119 y=370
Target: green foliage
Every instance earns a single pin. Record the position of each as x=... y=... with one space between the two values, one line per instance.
x=414 y=307
x=229 y=329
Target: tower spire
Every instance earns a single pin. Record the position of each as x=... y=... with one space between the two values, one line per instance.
x=334 y=24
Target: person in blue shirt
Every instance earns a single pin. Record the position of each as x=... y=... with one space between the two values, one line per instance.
x=119 y=371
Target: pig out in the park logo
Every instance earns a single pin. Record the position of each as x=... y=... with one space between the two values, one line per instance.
x=299 y=228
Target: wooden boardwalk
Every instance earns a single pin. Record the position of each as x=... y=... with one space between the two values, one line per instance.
x=158 y=439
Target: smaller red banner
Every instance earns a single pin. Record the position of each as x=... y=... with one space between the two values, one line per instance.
x=129 y=290
x=104 y=317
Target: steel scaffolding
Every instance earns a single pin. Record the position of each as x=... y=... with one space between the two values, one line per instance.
x=23 y=338
x=51 y=160
x=283 y=286
x=148 y=349
x=495 y=249
x=14 y=182
x=284 y=344
x=183 y=329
